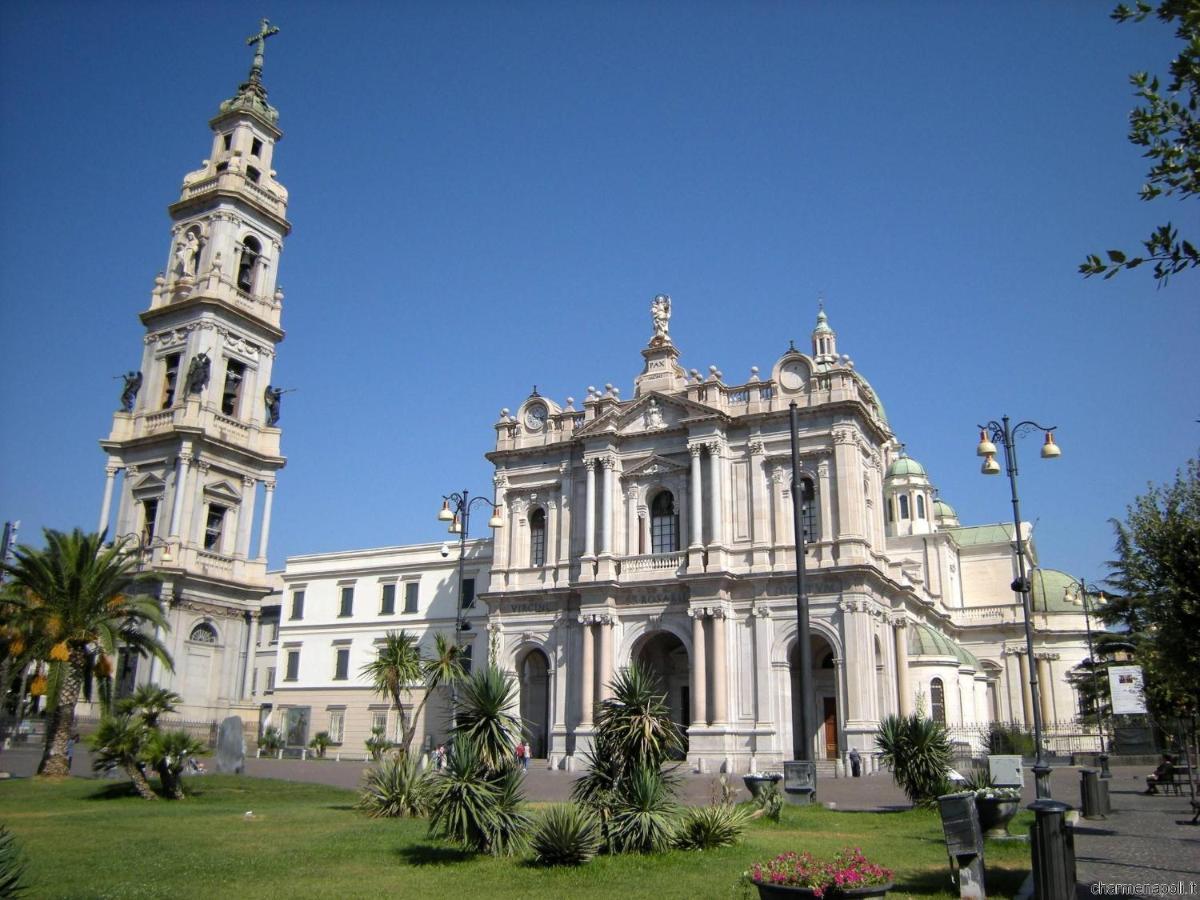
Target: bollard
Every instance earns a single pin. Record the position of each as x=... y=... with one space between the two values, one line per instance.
x=1052 y=846
x=1091 y=801
x=1104 y=772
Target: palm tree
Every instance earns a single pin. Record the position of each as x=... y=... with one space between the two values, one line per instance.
x=82 y=594
x=121 y=741
x=168 y=752
x=397 y=666
x=444 y=667
x=149 y=702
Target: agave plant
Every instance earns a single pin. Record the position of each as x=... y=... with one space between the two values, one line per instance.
x=709 y=827
x=169 y=752
x=917 y=750
x=567 y=835
x=642 y=815
x=120 y=742
x=398 y=787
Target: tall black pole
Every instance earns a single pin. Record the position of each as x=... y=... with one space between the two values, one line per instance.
x=802 y=636
x=462 y=517
x=1041 y=771
x=1087 y=621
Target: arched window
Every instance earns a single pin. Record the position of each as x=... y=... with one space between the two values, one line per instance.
x=251 y=252
x=203 y=634
x=920 y=506
x=904 y=506
x=537 y=538
x=937 y=701
x=808 y=510
x=664 y=524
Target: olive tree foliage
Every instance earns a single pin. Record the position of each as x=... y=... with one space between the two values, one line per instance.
x=1156 y=577
x=1167 y=125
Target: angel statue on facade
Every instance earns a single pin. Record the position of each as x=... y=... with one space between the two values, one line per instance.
x=133 y=383
x=271 y=396
x=660 y=312
x=197 y=374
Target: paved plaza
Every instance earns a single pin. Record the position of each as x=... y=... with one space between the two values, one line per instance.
x=1146 y=841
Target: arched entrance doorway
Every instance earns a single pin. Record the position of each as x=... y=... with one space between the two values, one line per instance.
x=665 y=655
x=534 y=685
x=822 y=699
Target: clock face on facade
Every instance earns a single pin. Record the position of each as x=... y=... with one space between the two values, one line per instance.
x=792 y=376
x=535 y=417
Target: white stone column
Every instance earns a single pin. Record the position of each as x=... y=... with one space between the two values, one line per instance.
x=245 y=518
x=605 y=626
x=265 y=533
x=716 y=470
x=606 y=511
x=589 y=513
x=760 y=532
x=699 y=670
x=825 y=499
x=696 y=501
x=501 y=539
x=762 y=666
x=587 y=674
x=552 y=532
x=182 y=477
x=1045 y=688
x=632 y=531
x=251 y=653
x=848 y=489
x=904 y=693
x=193 y=515
x=1026 y=689
x=720 y=676
x=110 y=476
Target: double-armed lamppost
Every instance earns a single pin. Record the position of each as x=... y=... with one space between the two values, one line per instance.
x=801 y=774
x=1081 y=589
x=456 y=509
x=1002 y=433
x=139 y=545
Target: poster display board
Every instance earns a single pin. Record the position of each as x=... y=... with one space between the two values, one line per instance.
x=1125 y=687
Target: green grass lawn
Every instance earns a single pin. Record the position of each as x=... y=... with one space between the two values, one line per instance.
x=94 y=839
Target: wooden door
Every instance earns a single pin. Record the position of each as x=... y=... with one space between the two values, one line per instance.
x=831 y=733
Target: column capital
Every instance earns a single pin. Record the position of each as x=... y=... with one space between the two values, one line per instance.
x=1046 y=655
x=823 y=469
x=1013 y=651
x=499 y=481
x=899 y=621
x=590 y=463
x=761 y=611
x=249 y=481
x=609 y=462
x=131 y=471
x=112 y=469
x=715 y=449
x=698 y=612
x=695 y=450
x=778 y=470
x=756 y=448
x=269 y=484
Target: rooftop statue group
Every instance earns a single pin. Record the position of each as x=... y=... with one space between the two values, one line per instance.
x=660 y=313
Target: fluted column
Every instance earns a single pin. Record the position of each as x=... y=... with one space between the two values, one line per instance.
x=699 y=670
x=587 y=675
x=696 y=501
x=110 y=476
x=825 y=500
x=763 y=708
x=1026 y=690
x=265 y=533
x=903 y=691
x=606 y=512
x=715 y=470
x=605 y=625
x=589 y=513
x=720 y=678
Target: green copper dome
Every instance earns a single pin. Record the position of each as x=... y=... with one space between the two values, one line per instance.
x=943 y=510
x=906 y=465
x=1050 y=592
x=822 y=322
x=925 y=641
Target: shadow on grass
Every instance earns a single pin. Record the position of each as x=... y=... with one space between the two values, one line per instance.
x=342 y=807
x=113 y=790
x=433 y=855
x=999 y=882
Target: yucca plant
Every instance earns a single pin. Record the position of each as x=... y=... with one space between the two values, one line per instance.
x=709 y=827
x=12 y=865
x=642 y=815
x=398 y=787
x=169 y=752
x=510 y=825
x=567 y=835
x=484 y=716
x=917 y=750
x=464 y=800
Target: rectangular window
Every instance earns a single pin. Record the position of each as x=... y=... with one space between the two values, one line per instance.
x=149 y=518
x=227 y=140
x=468 y=593
x=214 y=525
x=337 y=725
x=270 y=679
x=347 y=607
x=341 y=669
x=411 y=590
x=235 y=374
x=170 y=378
x=379 y=721
x=293 y=666
x=466 y=659
x=273 y=632
x=297 y=607
x=387 y=603
x=256 y=147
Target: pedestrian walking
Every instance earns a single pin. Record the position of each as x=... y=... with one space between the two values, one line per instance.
x=855 y=763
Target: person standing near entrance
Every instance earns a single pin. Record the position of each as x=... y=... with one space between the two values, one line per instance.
x=855 y=763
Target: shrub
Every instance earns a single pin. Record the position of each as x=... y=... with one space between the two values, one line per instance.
x=568 y=835
x=320 y=743
x=377 y=744
x=475 y=807
x=168 y=752
x=641 y=816
x=709 y=827
x=918 y=752
x=770 y=801
x=396 y=788
x=484 y=716
x=271 y=740
x=1010 y=739
x=12 y=865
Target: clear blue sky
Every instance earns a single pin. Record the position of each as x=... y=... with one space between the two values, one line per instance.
x=485 y=197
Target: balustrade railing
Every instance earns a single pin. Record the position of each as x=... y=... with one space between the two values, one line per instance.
x=655 y=562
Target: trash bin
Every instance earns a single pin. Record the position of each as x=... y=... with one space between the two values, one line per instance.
x=1093 y=795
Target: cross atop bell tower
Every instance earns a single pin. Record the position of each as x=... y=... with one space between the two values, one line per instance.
x=195 y=447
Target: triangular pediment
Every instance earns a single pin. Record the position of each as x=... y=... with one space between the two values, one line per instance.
x=222 y=490
x=655 y=465
x=148 y=484
x=658 y=412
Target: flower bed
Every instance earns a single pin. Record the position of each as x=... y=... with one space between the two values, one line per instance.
x=848 y=874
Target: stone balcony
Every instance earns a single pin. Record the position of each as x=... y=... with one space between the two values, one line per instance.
x=214 y=286
x=652 y=566
x=192 y=414
x=220 y=566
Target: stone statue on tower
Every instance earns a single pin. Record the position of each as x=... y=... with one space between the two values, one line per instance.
x=660 y=312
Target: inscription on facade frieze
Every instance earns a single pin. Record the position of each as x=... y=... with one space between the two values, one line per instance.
x=530 y=607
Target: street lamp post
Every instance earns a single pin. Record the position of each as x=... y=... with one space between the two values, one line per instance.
x=1087 y=620
x=456 y=509
x=802 y=783
x=1006 y=435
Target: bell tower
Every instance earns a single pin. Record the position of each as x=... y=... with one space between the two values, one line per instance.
x=194 y=448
